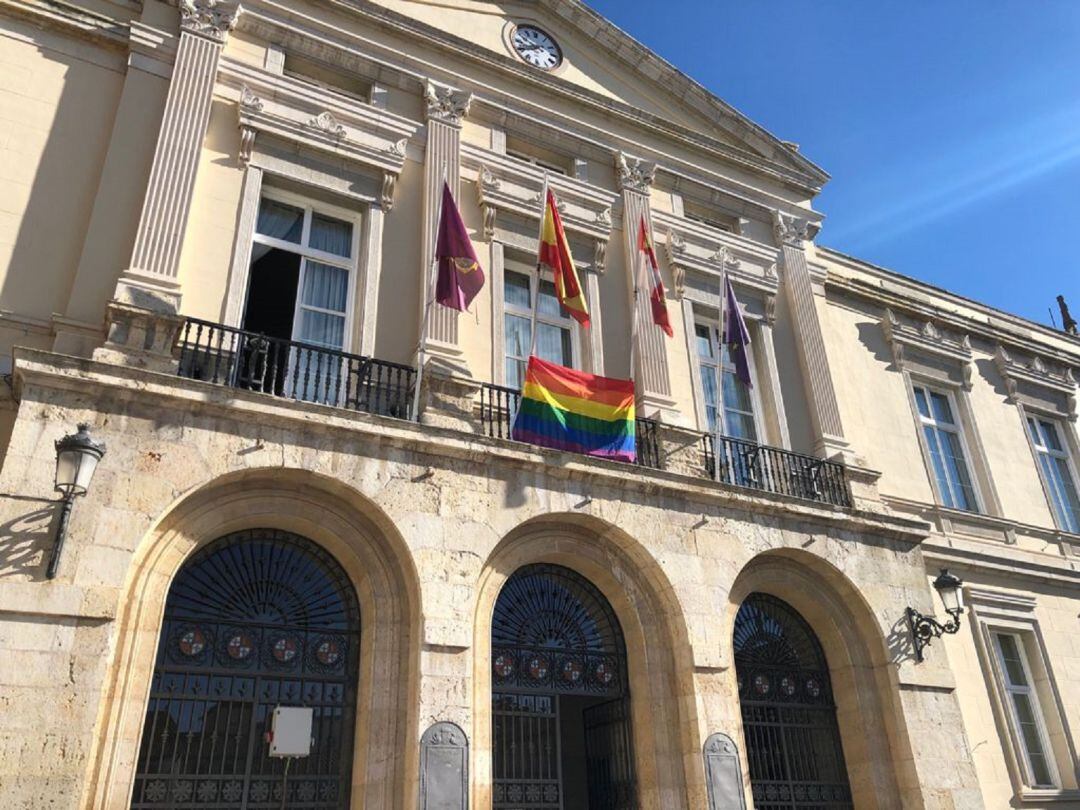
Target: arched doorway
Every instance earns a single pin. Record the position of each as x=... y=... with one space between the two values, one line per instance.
x=793 y=744
x=257 y=619
x=560 y=698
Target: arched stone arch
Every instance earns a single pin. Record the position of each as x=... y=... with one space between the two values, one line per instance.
x=855 y=649
x=375 y=558
x=667 y=740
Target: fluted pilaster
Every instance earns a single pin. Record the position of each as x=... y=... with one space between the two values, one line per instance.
x=446 y=107
x=151 y=280
x=651 y=373
x=792 y=233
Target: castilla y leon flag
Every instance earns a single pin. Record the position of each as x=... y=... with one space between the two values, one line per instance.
x=555 y=255
x=657 y=299
x=460 y=277
x=570 y=410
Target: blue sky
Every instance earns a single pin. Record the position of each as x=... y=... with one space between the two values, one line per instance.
x=951 y=129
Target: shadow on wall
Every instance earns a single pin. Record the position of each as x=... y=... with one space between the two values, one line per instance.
x=60 y=143
x=899 y=642
x=26 y=541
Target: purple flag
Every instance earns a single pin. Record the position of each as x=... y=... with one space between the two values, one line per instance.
x=460 y=277
x=736 y=336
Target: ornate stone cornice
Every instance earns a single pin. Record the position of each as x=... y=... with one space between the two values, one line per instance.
x=692 y=249
x=928 y=339
x=1037 y=373
x=213 y=19
x=792 y=230
x=634 y=174
x=445 y=103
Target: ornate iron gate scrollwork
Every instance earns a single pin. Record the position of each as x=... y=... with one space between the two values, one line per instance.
x=559 y=677
x=256 y=619
x=789 y=718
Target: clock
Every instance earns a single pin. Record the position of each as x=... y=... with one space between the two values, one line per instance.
x=536 y=47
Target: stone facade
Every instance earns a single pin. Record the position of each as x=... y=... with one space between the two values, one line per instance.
x=430 y=517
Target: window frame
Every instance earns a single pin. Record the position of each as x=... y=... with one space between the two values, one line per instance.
x=351 y=264
x=1065 y=438
x=1012 y=612
x=959 y=428
x=1031 y=691
x=563 y=321
x=713 y=324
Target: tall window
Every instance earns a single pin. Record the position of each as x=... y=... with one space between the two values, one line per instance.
x=1025 y=714
x=1056 y=470
x=738 y=401
x=301 y=261
x=554 y=329
x=946 y=448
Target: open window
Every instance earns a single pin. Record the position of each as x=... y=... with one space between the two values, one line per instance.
x=299 y=299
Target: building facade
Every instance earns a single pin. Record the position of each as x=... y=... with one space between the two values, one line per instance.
x=216 y=227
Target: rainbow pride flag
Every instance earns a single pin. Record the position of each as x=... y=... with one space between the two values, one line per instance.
x=570 y=410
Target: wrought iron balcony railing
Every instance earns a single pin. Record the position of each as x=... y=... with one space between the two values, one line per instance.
x=233 y=357
x=285 y=368
x=498 y=404
x=755 y=466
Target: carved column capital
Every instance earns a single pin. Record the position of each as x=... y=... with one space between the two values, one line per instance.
x=635 y=174
x=445 y=103
x=792 y=230
x=213 y=19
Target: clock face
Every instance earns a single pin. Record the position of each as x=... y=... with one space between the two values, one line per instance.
x=536 y=47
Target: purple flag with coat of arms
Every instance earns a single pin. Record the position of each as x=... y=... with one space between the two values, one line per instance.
x=736 y=336
x=460 y=277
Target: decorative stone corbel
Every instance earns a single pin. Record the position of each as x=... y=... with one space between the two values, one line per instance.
x=386 y=193
x=490 y=215
x=247 y=144
x=599 y=264
x=397 y=149
x=770 y=309
x=445 y=103
x=634 y=174
x=212 y=19
x=603 y=218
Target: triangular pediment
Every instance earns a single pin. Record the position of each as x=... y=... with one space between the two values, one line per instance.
x=607 y=64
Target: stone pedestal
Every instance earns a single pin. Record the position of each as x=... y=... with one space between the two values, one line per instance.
x=139 y=337
x=681 y=450
x=447 y=399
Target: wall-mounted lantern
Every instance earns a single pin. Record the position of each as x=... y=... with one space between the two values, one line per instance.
x=77 y=457
x=924 y=628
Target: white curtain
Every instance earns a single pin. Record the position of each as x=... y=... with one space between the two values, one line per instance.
x=331 y=235
x=278 y=221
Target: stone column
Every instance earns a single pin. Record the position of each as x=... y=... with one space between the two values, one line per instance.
x=792 y=233
x=445 y=109
x=651 y=372
x=151 y=280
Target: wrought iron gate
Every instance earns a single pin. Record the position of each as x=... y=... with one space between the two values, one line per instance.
x=555 y=639
x=789 y=718
x=257 y=619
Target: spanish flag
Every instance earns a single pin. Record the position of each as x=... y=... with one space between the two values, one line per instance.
x=555 y=255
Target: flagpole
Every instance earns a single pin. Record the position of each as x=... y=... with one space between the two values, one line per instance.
x=539 y=244
x=719 y=372
x=421 y=352
x=634 y=317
